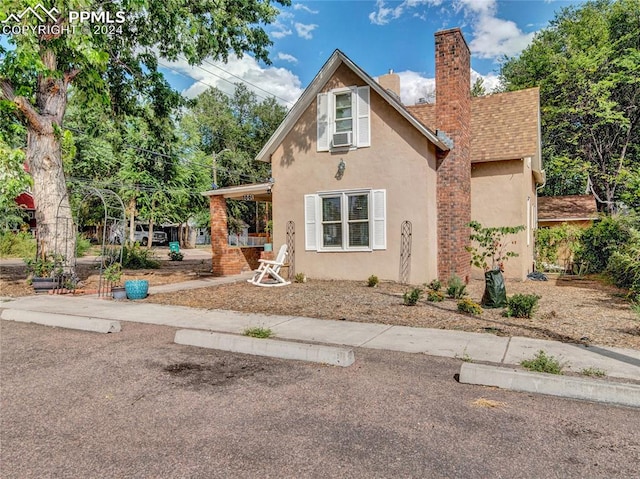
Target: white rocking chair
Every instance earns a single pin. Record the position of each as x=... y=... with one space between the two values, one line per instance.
x=271 y=270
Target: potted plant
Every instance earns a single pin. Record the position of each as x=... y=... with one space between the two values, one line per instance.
x=42 y=273
x=490 y=245
x=112 y=275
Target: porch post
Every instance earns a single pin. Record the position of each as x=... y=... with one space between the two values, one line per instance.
x=218 y=211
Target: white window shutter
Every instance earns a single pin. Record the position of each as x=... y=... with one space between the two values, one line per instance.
x=363 y=135
x=379 y=219
x=323 y=122
x=310 y=222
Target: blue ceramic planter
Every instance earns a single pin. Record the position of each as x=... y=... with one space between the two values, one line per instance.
x=136 y=288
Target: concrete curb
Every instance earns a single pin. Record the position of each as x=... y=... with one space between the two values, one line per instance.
x=273 y=348
x=565 y=386
x=82 y=323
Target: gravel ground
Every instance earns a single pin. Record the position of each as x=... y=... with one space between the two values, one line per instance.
x=135 y=405
x=571 y=309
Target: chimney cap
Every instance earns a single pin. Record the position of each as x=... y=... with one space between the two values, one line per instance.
x=452 y=31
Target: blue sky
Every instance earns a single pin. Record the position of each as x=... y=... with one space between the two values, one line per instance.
x=378 y=35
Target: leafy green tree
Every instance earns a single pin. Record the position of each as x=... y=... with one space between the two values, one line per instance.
x=37 y=70
x=13 y=178
x=233 y=129
x=478 y=89
x=586 y=65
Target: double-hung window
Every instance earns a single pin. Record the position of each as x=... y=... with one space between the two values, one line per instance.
x=345 y=221
x=343 y=112
x=343 y=119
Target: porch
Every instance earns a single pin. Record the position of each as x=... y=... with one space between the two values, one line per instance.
x=239 y=252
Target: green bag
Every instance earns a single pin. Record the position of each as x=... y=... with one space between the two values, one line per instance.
x=495 y=293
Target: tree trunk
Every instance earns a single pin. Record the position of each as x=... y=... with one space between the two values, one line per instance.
x=56 y=233
x=132 y=220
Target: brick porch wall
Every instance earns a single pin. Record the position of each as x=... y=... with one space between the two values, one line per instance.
x=226 y=260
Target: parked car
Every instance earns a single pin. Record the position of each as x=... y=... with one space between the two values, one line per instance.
x=140 y=235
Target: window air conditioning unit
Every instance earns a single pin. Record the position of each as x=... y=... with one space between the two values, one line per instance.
x=342 y=139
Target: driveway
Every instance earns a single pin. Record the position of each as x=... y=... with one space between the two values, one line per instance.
x=134 y=404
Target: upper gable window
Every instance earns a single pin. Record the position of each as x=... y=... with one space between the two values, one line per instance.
x=343 y=118
x=343 y=113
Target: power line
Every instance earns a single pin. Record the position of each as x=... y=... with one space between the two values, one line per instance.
x=288 y=102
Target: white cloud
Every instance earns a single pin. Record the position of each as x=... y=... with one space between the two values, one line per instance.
x=304 y=30
x=287 y=58
x=492 y=37
x=414 y=86
x=384 y=14
x=300 y=6
x=280 y=28
x=264 y=81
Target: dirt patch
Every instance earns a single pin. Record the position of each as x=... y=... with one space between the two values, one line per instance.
x=13 y=277
x=570 y=310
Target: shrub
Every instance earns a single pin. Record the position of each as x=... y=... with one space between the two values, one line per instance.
x=541 y=363
x=521 y=305
x=373 y=281
x=602 y=239
x=258 y=332
x=456 y=288
x=466 y=305
x=410 y=298
x=135 y=257
x=550 y=241
x=435 y=285
x=176 y=256
x=17 y=245
x=300 y=278
x=42 y=267
x=435 y=296
x=83 y=244
x=624 y=265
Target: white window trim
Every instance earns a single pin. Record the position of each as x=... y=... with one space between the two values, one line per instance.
x=376 y=219
x=360 y=118
x=333 y=116
x=344 y=220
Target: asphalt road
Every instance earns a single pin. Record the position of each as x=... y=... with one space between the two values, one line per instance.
x=135 y=405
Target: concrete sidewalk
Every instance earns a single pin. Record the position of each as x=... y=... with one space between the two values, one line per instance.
x=616 y=362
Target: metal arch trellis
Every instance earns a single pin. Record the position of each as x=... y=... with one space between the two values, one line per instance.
x=113 y=229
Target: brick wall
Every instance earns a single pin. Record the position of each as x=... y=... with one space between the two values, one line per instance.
x=453 y=117
x=226 y=260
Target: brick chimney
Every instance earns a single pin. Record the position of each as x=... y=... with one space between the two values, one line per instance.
x=453 y=121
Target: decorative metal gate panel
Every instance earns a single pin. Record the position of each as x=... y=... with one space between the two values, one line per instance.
x=291 y=248
x=405 y=251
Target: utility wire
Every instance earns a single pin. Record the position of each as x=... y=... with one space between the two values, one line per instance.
x=288 y=102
